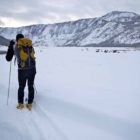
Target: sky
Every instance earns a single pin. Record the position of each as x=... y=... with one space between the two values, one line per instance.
x=15 y=13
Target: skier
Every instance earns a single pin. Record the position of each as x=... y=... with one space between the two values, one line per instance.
x=26 y=68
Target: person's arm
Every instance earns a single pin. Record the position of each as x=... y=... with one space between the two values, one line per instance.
x=10 y=52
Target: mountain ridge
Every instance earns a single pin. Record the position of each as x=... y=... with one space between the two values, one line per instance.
x=113 y=29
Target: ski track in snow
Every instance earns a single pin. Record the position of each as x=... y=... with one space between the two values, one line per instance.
x=119 y=127
x=34 y=124
x=44 y=114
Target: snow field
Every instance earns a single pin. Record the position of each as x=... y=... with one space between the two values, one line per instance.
x=81 y=94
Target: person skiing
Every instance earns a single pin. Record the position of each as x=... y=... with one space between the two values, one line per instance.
x=24 y=53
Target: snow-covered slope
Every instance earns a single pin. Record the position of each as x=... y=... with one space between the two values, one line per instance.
x=113 y=29
x=81 y=95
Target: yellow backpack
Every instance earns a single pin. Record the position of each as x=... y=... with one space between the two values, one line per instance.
x=26 y=52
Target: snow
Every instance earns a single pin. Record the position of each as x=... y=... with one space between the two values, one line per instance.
x=128 y=38
x=103 y=33
x=80 y=94
x=120 y=16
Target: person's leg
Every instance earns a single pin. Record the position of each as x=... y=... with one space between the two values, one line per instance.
x=31 y=87
x=22 y=83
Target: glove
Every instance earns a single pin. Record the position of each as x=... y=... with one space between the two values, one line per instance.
x=12 y=42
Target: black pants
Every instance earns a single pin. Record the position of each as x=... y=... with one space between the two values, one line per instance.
x=26 y=75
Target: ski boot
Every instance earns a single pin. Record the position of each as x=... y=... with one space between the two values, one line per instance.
x=20 y=106
x=29 y=106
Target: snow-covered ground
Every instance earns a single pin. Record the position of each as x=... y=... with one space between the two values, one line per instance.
x=81 y=94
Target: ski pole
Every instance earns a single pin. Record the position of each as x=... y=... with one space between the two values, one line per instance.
x=9 y=82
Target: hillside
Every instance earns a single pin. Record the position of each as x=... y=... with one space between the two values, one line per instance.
x=113 y=29
x=4 y=41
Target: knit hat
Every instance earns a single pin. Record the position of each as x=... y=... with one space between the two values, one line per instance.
x=18 y=36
